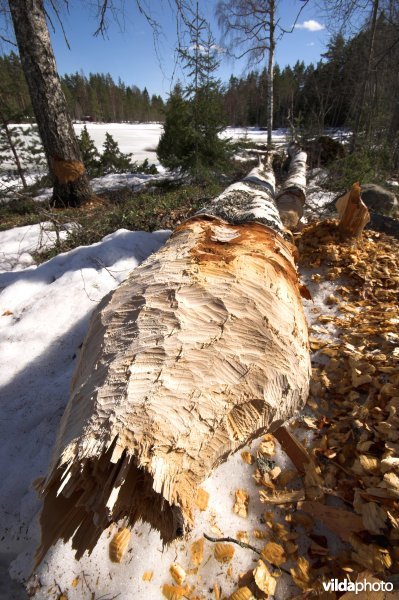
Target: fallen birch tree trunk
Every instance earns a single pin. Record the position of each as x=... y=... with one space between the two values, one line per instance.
x=291 y=199
x=202 y=349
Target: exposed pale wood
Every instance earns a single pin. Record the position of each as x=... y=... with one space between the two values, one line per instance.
x=353 y=213
x=203 y=348
x=291 y=199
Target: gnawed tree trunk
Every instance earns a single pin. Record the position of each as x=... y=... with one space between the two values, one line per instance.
x=291 y=199
x=202 y=349
x=71 y=184
x=353 y=213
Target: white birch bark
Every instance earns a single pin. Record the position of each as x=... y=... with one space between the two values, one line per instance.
x=292 y=197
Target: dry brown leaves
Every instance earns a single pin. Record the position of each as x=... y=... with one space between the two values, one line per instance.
x=355 y=398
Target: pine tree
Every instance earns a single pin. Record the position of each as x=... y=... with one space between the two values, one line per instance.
x=194 y=116
x=112 y=159
x=90 y=154
x=176 y=145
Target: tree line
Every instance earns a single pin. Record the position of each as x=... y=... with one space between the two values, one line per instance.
x=312 y=97
x=327 y=94
x=355 y=85
x=96 y=97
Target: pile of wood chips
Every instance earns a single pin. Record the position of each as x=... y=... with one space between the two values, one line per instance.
x=345 y=475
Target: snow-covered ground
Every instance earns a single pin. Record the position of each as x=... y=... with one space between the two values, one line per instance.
x=140 y=139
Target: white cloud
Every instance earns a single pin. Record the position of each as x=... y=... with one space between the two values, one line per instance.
x=311 y=25
x=311 y=44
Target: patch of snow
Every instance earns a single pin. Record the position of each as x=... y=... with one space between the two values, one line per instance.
x=44 y=314
x=116 y=181
x=18 y=244
x=139 y=138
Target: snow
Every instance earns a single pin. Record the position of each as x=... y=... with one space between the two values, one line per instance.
x=139 y=138
x=115 y=181
x=44 y=313
x=17 y=245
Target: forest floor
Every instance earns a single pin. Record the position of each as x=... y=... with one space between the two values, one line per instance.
x=338 y=518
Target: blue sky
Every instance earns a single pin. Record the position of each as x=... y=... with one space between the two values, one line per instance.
x=128 y=50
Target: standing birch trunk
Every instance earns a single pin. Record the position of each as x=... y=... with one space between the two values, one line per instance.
x=270 y=71
x=71 y=184
x=202 y=349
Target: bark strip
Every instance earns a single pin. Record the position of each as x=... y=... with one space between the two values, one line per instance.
x=354 y=214
x=203 y=348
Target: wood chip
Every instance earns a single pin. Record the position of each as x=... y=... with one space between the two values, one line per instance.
x=202 y=499
x=240 y=507
x=243 y=536
x=283 y=497
x=274 y=553
x=174 y=592
x=119 y=544
x=342 y=522
x=392 y=482
x=286 y=477
x=268 y=446
x=260 y=535
x=197 y=551
x=374 y=517
x=223 y=552
x=301 y=574
x=217 y=591
x=178 y=573
x=263 y=579
x=248 y=458
x=243 y=593
x=293 y=448
x=370 y=556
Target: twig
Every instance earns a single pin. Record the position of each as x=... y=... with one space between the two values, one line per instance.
x=245 y=545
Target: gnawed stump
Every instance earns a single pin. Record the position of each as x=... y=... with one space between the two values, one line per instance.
x=203 y=348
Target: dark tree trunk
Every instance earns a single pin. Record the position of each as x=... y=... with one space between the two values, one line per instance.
x=71 y=184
